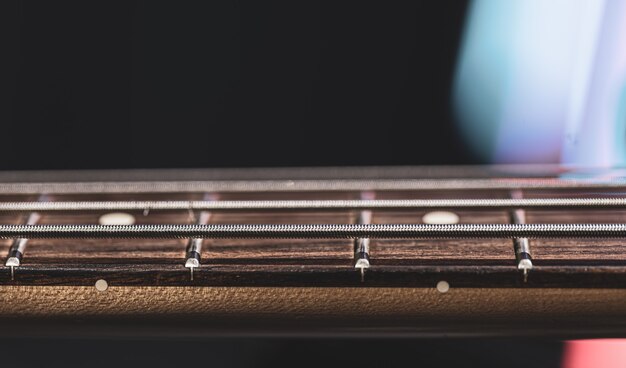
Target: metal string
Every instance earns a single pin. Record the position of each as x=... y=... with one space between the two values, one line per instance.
x=317 y=231
x=313 y=204
x=305 y=185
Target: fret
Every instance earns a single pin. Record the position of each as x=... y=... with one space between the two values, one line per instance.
x=18 y=248
x=521 y=246
x=362 y=245
x=194 y=247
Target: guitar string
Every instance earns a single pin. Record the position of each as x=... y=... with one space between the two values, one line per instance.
x=304 y=185
x=312 y=204
x=317 y=231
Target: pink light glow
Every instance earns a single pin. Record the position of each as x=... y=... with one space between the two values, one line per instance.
x=605 y=353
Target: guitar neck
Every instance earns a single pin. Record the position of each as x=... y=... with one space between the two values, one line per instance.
x=493 y=236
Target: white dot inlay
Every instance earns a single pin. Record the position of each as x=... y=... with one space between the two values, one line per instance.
x=440 y=217
x=117 y=218
x=443 y=286
x=101 y=285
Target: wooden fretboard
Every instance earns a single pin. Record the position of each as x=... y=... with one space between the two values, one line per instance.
x=587 y=261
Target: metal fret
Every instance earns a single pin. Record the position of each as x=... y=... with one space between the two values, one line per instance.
x=521 y=246
x=18 y=248
x=317 y=231
x=357 y=204
x=194 y=247
x=362 y=245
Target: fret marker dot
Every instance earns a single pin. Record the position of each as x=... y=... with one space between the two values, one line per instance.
x=117 y=218
x=441 y=218
x=443 y=287
x=101 y=285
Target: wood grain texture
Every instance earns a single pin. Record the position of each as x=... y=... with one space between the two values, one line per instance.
x=469 y=311
x=300 y=302
x=581 y=251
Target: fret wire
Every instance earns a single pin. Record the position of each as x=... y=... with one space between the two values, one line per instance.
x=521 y=246
x=194 y=246
x=362 y=245
x=18 y=248
x=317 y=231
x=313 y=204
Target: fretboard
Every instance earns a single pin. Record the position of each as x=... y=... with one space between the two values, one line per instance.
x=496 y=231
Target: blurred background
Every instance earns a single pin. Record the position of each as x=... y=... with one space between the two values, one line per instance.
x=127 y=84
x=132 y=84
x=164 y=84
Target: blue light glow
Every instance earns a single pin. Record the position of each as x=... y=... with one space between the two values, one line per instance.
x=544 y=81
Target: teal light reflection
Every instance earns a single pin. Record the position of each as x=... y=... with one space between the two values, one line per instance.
x=542 y=81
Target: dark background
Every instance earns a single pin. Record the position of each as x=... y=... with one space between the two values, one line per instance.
x=280 y=352
x=170 y=84
x=160 y=84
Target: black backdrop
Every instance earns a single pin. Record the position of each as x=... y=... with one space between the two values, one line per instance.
x=131 y=84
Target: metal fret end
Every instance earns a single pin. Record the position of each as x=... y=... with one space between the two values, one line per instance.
x=525 y=275
x=193 y=255
x=192 y=263
x=525 y=265
x=362 y=263
x=12 y=262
